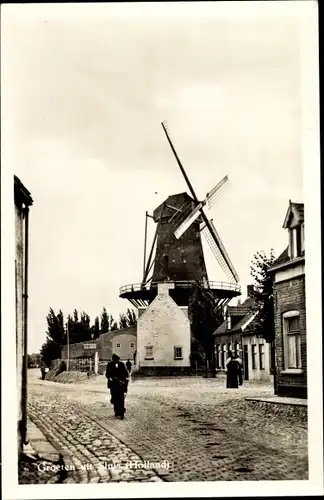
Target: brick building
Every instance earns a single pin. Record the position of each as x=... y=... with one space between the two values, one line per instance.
x=23 y=201
x=237 y=334
x=288 y=273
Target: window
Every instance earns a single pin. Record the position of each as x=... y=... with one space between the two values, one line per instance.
x=218 y=356
x=254 y=356
x=237 y=349
x=132 y=344
x=118 y=344
x=292 y=243
x=302 y=237
x=177 y=352
x=291 y=332
x=261 y=356
x=229 y=323
x=149 y=352
x=298 y=241
x=223 y=355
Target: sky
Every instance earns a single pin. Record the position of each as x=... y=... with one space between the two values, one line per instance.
x=85 y=95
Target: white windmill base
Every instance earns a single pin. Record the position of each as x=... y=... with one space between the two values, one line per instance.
x=163 y=335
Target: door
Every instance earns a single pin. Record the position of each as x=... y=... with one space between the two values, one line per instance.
x=246 y=363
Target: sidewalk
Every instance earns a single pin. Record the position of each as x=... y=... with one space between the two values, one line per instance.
x=39 y=446
x=41 y=462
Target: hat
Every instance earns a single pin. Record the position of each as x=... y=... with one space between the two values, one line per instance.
x=115 y=356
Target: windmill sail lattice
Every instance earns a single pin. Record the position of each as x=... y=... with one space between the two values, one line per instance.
x=231 y=275
x=177 y=253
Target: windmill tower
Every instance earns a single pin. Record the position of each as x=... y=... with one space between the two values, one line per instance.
x=175 y=262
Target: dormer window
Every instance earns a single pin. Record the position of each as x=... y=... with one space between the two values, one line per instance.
x=294 y=222
x=296 y=241
x=302 y=237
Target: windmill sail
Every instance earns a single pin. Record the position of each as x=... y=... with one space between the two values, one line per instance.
x=188 y=221
x=209 y=230
x=218 y=249
x=219 y=189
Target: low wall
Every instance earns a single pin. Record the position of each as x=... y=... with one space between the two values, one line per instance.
x=163 y=371
x=289 y=411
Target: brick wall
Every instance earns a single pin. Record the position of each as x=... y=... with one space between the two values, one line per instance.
x=290 y=295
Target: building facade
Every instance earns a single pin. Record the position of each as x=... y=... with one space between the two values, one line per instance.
x=163 y=335
x=237 y=334
x=23 y=201
x=288 y=273
x=121 y=342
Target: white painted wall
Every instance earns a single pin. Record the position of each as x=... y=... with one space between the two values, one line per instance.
x=163 y=325
x=257 y=373
x=289 y=273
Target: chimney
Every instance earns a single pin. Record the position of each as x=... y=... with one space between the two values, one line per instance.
x=163 y=288
x=250 y=290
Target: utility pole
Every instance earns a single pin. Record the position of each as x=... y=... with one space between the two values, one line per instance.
x=68 y=347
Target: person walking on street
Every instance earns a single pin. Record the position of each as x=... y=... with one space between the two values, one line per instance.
x=117 y=376
x=128 y=365
x=43 y=370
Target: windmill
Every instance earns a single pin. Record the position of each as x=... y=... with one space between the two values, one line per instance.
x=176 y=252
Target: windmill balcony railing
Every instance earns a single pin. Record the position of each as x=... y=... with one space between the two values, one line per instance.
x=213 y=285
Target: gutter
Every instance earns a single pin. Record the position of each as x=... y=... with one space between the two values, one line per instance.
x=288 y=263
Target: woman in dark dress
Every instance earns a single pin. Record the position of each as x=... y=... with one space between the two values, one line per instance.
x=233 y=369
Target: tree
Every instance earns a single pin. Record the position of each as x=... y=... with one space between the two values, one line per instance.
x=123 y=321
x=104 y=321
x=55 y=337
x=75 y=316
x=50 y=350
x=113 y=326
x=131 y=317
x=34 y=360
x=263 y=323
x=79 y=329
x=95 y=329
x=204 y=317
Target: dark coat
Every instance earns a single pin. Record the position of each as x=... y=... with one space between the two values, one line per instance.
x=116 y=372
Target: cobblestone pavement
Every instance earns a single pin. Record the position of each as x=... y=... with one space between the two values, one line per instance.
x=204 y=431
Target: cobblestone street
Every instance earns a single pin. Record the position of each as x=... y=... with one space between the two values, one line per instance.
x=202 y=430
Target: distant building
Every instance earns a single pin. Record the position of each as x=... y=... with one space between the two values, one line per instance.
x=237 y=334
x=23 y=201
x=121 y=342
x=290 y=308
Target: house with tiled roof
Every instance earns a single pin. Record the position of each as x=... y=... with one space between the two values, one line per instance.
x=237 y=334
x=121 y=342
x=288 y=273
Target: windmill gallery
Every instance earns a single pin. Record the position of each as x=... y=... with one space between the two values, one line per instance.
x=175 y=264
